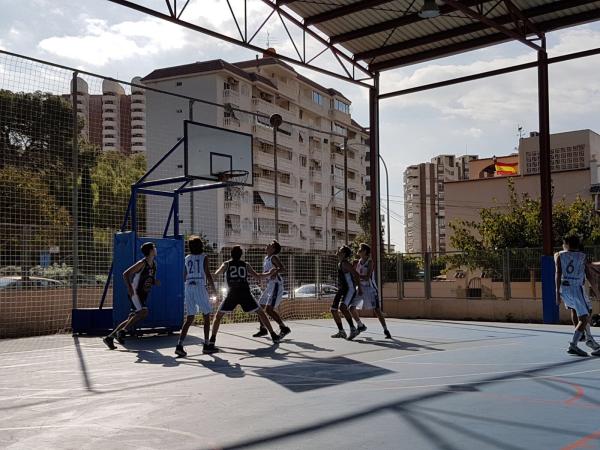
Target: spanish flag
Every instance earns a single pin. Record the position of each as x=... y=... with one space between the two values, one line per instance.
x=506 y=168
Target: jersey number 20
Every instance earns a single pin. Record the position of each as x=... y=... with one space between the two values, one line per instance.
x=237 y=272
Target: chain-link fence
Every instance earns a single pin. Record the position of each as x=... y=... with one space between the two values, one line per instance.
x=73 y=143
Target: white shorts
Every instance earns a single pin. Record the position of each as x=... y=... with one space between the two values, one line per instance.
x=369 y=297
x=574 y=298
x=273 y=294
x=196 y=300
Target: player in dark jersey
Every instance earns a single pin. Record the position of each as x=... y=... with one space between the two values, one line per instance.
x=139 y=280
x=236 y=275
x=348 y=285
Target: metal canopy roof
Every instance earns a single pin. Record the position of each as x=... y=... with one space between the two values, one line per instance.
x=389 y=34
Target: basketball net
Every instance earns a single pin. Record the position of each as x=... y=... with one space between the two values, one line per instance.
x=234 y=180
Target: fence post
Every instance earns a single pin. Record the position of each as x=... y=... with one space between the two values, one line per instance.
x=427 y=275
x=400 y=275
x=506 y=273
x=75 y=194
x=291 y=271
x=318 y=275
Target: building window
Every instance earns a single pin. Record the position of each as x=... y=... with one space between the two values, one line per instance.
x=318 y=98
x=340 y=129
x=179 y=83
x=303 y=160
x=341 y=106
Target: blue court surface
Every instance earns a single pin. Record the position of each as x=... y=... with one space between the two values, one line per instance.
x=437 y=385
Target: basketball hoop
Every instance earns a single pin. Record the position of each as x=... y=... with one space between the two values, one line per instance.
x=235 y=181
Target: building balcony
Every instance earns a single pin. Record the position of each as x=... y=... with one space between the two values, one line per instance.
x=316 y=221
x=316 y=243
x=138 y=123
x=138 y=148
x=267 y=185
x=315 y=198
x=232 y=206
x=264 y=132
x=315 y=175
x=268 y=108
x=110 y=113
x=138 y=115
x=231 y=122
x=269 y=213
x=314 y=146
x=232 y=232
x=231 y=96
x=340 y=116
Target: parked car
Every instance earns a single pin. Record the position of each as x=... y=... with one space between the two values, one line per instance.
x=310 y=290
x=19 y=282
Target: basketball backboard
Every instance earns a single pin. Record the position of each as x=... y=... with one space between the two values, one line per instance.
x=209 y=151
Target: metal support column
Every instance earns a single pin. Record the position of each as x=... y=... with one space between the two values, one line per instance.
x=387 y=189
x=346 y=189
x=191 y=117
x=275 y=121
x=376 y=253
x=550 y=310
x=75 y=198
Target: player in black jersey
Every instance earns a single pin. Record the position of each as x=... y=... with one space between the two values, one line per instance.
x=139 y=279
x=236 y=274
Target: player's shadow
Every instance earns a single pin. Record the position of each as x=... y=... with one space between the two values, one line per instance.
x=396 y=344
x=222 y=366
x=155 y=357
x=158 y=342
x=306 y=346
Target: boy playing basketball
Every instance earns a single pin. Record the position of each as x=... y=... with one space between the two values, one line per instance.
x=370 y=296
x=196 y=277
x=570 y=280
x=139 y=279
x=348 y=279
x=272 y=295
x=236 y=272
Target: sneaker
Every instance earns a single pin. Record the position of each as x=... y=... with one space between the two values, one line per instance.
x=387 y=334
x=275 y=337
x=340 y=334
x=591 y=343
x=261 y=332
x=284 y=332
x=574 y=350
x=121 y=337
x=595 y=353
x=110 y=342
x=362 y=328
x=209 y=349
x=353 y=333
x=179 y=351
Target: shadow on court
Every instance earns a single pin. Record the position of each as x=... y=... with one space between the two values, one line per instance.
x=414 y=411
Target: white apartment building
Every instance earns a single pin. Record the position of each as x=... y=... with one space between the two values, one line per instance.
x=310 y=163
x=113 y=120
x=424 y=201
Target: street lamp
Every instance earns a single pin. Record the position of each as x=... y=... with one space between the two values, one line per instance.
x=275 y=120
x=327 y=215
x=387 y=187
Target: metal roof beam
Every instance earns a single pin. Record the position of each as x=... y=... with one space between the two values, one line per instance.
x=521 y=19
x=406 y=19
x=493 y=24
x=342 y=11
x=447 y=50
x=470 y=28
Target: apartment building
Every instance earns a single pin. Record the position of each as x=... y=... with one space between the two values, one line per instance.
x=113 y=120
x=425 y=201
x=310 y=163
x=575 y=173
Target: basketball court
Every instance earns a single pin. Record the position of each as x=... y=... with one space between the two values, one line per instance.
x=450 y=385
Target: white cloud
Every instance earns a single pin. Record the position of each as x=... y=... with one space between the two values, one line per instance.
x=100 y=43
x=469 y=132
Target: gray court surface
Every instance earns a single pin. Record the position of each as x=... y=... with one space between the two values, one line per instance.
x=437 y=385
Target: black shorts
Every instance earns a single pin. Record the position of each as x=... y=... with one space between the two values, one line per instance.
x=345 y=296
x=138 y=302
x=242 y=297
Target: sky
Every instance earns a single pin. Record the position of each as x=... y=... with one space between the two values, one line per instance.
x=480 y=117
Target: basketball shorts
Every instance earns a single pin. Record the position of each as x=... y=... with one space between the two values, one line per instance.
x=196 y=300
x=137 y=302
x=369 y=297
x=574 y=298
x=273 y=294
x=242 y=297
x=344 y=296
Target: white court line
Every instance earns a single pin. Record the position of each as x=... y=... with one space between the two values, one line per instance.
x=443 y=351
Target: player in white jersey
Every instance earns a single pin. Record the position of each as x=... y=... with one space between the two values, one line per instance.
x=273 y=293
x=570 y=280
x=370 y=296
x=197 y=279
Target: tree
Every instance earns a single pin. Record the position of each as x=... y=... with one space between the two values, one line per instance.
x=518 y=226
x=112 y=178
x=32 y=220
x=364 y=220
